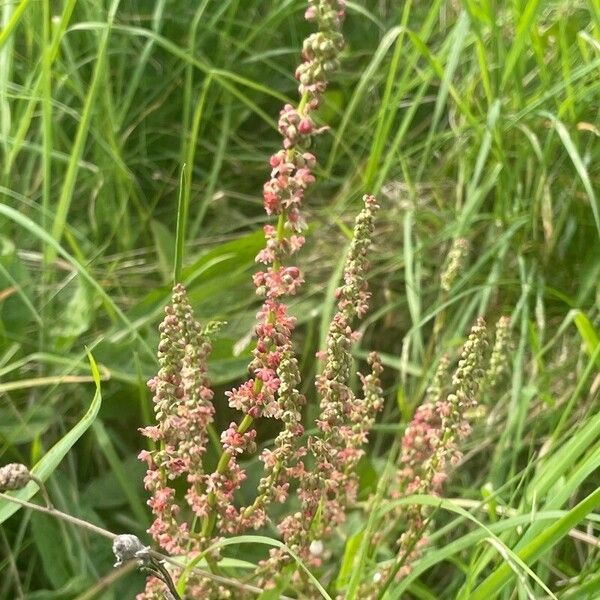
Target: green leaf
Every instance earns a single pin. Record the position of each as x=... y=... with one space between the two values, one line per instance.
x=45 y=532
x=16 y=309
x=524 y=29
x=83 y=129
x=549 y=537
x=165 y=244
x=352 y=547
x=578 y=163
x=587 y=333
x=50 y=461
x=35 y=229
x=28 y=425
x=75 y=585
x=76 y=318
x=467 y=541
x=8 y=28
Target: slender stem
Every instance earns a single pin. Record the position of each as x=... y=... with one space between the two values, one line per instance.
x=260 y=500
x=60 y=515
x=303 y=103
x=105 y=582
x=43 y=489
x=12 y=567
x=168 y=581
x=280 y=236
x=210 y=520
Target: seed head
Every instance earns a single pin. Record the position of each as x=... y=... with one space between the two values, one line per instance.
x=14 y=476
x=128 y=547
x=454 y=263
x=499 y=359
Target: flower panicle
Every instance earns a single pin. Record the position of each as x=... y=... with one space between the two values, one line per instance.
x=455 y=262
x=470 y=371
x=183 y=410
x=291 y=167
x=330 y=486
x=272 y=390
x=440 y=381
x=291 y=175
x=431 y=441
x=352 y=297
x=371 y=385
x=282 y=462
x=499 y=358
x=320 y=50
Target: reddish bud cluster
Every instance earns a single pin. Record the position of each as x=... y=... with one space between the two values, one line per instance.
x=272 y=390
x=430 y=442
x=329 y=487
x=183 y=408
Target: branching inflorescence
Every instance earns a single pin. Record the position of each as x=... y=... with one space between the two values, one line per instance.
x=183 y=409
x=430 y=445
x=193 y=508
x=182 y=395
x=328 y=487
x=272 y=390
x=322 y=469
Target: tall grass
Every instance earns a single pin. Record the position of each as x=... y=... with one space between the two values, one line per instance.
x=475 y=119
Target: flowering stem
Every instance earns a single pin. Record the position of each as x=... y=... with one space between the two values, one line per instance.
x=283 y=192
x=209 y=521
x=401 y=561
x=280 y=236
x=303 y=102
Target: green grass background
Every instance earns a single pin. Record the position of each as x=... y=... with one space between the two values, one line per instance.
x=472 y=118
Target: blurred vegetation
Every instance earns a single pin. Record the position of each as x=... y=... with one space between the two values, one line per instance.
x=472 y=118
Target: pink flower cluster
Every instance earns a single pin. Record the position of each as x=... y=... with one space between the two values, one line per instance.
x=272 y=390
x=291 y=175
x=430 y=442
x=329 y=487
x=183 y=408
x=282 y=462
x=292 y=166
x=197 y=587
x=182 y=397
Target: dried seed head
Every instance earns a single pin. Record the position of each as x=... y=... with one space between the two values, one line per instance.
x=128 y=547
x=14 y=476
x=499 y=360
x=454 y=263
